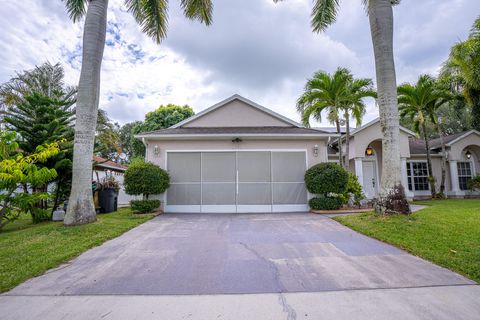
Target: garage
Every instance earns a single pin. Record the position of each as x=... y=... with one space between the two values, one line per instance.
x=236 y=181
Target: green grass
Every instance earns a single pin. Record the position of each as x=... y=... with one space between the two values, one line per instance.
x=28 y=250
x=446 y=233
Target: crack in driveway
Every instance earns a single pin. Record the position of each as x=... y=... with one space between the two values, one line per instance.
x=288 y=309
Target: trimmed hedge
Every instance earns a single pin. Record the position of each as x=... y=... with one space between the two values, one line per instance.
x=145 y=178
x=325 y=178
x=144 y=206
x=324 y=203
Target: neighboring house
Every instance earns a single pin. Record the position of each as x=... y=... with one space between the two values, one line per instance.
x=238 y=156
x=106 y=168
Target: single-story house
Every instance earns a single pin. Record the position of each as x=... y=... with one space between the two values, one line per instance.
x=238 y=156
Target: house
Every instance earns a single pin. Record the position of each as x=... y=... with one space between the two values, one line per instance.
x=238 y=156
x=104 y=168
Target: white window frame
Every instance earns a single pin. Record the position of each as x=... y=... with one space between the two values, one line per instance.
x=472 y=173
x=412 y=176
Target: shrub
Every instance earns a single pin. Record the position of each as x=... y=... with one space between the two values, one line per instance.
x=40 y=215
x=354 y=187
x=474 y=183
x=325 y=203
x=326 y=178
x=144 y=206
x=145 y=178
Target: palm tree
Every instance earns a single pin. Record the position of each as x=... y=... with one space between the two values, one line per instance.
x=392 y=196
x=463 y=70
x=325 y=92
x=357 y=90
x=151 y=15
x=419 y=103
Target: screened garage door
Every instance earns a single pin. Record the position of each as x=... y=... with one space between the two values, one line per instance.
x=244 y=181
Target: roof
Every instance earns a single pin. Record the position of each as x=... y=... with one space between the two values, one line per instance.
x=243 y=99
x=343 y=130
x=417 y=146
x=233 y=132
x=371 y=123
x=105 y=163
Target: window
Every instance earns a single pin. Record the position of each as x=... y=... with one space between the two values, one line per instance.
x=464 y=174
x=417 y=176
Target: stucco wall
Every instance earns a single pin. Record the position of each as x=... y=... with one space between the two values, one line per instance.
x=223 y=145
x=361 y=140
x=237 y=114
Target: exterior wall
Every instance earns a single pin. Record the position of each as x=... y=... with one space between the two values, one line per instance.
x=237 y=114
x=212 y=145
x=360 y=141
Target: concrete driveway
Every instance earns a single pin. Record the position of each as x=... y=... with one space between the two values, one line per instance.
x=238 y=253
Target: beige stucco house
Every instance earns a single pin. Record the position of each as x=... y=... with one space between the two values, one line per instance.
x=238 y=156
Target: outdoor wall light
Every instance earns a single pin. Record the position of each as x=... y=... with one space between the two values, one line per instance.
x=468 y=154
x=156 y=150
x=369 y=151
x=315 y=150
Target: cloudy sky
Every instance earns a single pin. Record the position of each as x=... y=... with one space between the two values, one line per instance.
x=255 y=48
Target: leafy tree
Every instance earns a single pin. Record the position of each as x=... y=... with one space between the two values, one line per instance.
x=128 y=140
x=41 y=120
x=380 y=14
x=152 y=16
x=107 y=137
x=17 y=170
x=419 y=103
x=463 y=71
x=162 y=117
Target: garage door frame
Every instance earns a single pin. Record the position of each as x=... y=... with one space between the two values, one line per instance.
x=235 y=208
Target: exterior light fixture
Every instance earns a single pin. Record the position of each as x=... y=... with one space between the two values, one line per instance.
x=369 y=151
x=237 y=140
x=315 y=150
x=468 y=154
x=156 y=150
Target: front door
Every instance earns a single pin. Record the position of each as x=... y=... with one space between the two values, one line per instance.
x=369 y=179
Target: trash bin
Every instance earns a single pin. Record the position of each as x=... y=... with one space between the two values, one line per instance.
x=108 y=200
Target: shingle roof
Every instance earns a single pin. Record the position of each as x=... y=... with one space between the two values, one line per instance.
x=417 y=146
x=233 y=130
x=102 y=162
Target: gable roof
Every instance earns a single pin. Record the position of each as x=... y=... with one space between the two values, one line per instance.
x=374 y=121
x=244 y=100
x=460 y=136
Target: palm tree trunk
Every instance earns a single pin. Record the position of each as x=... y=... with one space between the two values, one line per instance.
x=431 y=179
x=392 y=194
x=81 y=209
x=444 y=162
x=340 y=151
x=347 y=141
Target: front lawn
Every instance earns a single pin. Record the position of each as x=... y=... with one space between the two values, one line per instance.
x=28 y=250
x=446 y=233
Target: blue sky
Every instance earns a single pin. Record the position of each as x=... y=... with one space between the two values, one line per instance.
x=255 y=48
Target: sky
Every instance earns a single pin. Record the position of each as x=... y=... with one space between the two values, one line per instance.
x=255 y=48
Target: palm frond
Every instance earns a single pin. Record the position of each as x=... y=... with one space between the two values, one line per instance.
x=76 y=8
x=198 y=9
x=324 y=13
x=151 y=15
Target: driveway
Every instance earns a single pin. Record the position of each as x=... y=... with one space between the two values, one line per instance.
x=239 y=253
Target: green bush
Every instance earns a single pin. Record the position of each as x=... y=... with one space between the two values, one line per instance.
x=144 y=206
x=354 y=187
x=326 y=203
x=145 y=178
x=40 y=215
x=325 y=178
x=474 y=183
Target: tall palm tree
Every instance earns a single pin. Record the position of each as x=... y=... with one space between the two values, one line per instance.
x=325 y=92
x=392 y=196
x=418 y=103
x=151 y=15
x=463 y=69
x=357 y=90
